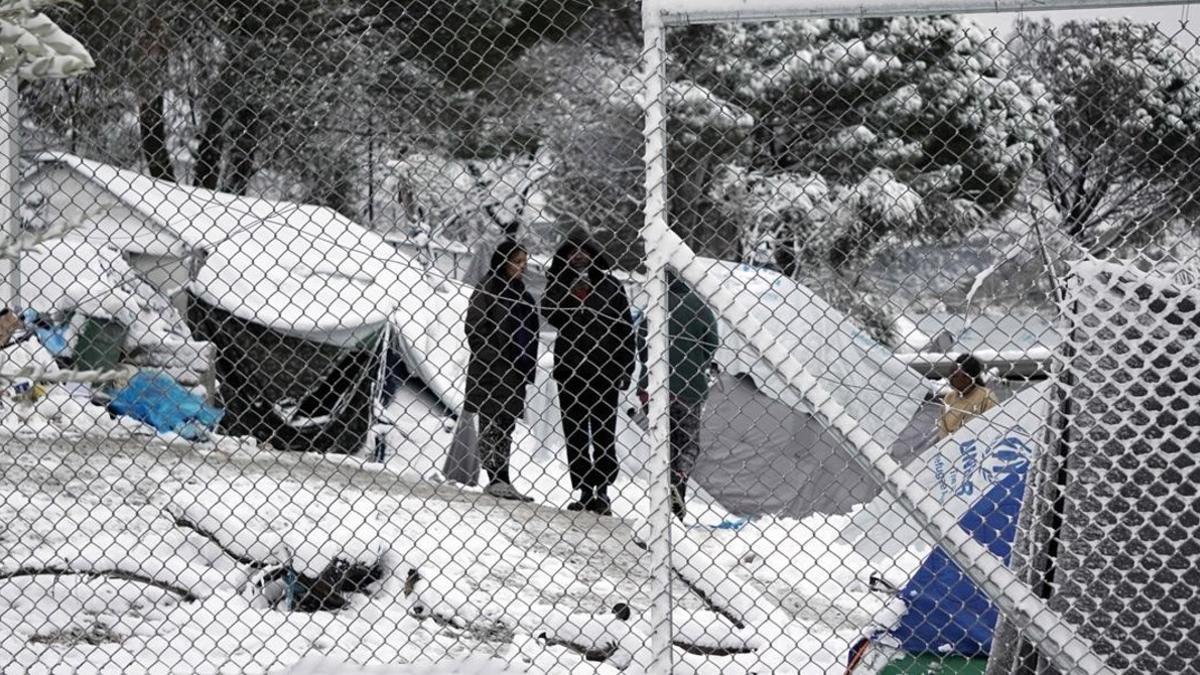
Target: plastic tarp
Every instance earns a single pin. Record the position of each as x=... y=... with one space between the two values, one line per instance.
x=946 y=612
x=159 y=401
x=978 y=475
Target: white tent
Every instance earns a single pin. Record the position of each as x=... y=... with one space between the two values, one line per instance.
x=310 y=287
x=861 y=374
x=336 y=286
x=300 y=269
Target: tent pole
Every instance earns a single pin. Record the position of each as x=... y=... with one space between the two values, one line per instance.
x=655 y=657
x=378 y=449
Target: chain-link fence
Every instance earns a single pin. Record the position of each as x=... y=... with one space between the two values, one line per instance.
x=549 y=336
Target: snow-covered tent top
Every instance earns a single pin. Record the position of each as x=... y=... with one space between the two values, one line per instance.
x=74 y=273
x=334 y=287
x=880 y=391
x=350 y=278
x=195 y=217
x=430 y=319
x=311 y=287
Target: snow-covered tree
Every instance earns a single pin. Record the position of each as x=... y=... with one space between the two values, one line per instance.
x=1127 y=108
x=467 y=41
x=120 y=111
x=34 y=46
x=911 y=126
x=576 y=101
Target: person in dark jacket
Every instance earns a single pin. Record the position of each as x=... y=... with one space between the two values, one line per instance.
x=593 y=363
x=692 y=341
x=502 y=333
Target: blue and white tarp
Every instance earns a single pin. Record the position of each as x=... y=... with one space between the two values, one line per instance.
x=978 y=475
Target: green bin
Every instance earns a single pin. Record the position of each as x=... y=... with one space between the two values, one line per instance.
x=99 y=344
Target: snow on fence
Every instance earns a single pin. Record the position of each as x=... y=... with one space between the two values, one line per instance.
x=572 y=336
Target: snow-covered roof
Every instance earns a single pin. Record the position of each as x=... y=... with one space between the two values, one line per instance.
x=198 y=217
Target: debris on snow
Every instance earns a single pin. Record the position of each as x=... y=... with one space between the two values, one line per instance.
x=597 y=637
x=276 y=522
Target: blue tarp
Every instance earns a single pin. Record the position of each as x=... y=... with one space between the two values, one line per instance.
x=157 y=400
x=55 y=339
x=945 y=608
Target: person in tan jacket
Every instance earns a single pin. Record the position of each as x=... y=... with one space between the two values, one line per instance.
x=968 y=399
x=10 y=325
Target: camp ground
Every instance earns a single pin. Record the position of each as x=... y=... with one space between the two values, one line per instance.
x=588 y=337
x=343 y=344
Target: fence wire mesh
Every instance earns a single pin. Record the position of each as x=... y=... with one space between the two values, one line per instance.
x=329 y=333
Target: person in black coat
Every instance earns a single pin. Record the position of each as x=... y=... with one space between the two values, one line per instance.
x=594 y=357
x=502 y=333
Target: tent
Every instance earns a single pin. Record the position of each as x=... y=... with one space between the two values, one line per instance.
x=979 y=476
x=304 y=323
x=763 y=451
x=880 y=391
x=761 y=455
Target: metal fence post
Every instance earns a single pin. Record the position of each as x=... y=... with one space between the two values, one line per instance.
x=10 y=208
x=658 y=659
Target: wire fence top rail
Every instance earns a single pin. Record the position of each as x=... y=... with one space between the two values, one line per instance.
x=684 y=12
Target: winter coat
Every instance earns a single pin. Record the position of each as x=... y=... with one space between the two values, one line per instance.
x=595 y=343
x=693 y=338
x=502 y=333
x=961 y=409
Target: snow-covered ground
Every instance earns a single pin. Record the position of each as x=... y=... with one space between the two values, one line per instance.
x=126 y=551
x=465 y=579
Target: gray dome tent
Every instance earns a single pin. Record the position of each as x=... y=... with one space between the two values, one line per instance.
x=762 y=450
x=763 y=456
